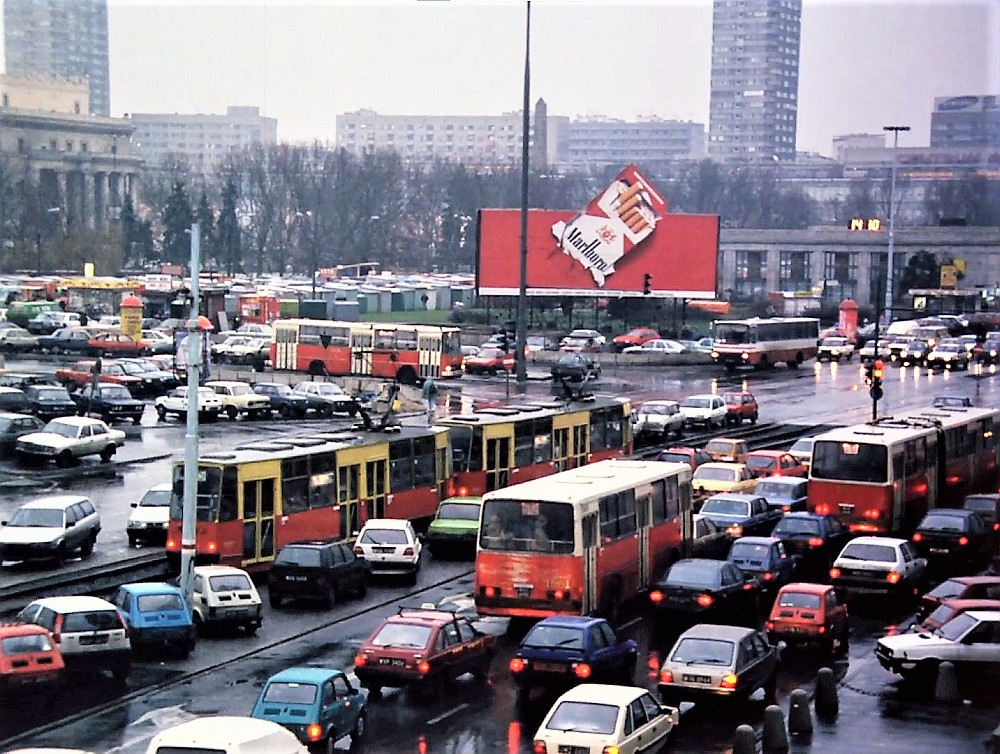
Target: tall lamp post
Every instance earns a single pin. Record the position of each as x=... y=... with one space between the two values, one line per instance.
x=521 y=339
x=890 y=290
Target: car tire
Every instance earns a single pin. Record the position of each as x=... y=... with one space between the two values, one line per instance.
x=65 y=459
x=753 y=419
x=362 y=591
x=87 y=548
x=119 y=674
x=358 y=731
x=60 y=557
x=327 y=411
x=133 y=541
x=285 y=411
x=251 y=627
x=107 y=453
x=274 y=600
x=330 y=598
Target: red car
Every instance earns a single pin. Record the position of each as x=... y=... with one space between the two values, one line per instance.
x=116 y=344
x=424 y=647
x=805 y=613
x=959 y=588
x=635 y=337
x=763 y=463
x=82 y=374
x=740 y=405
x=489 y=361
x=29 y=658
x=694 y=456
x=948 y=609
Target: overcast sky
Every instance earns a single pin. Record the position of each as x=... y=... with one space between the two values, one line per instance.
x=863 y=64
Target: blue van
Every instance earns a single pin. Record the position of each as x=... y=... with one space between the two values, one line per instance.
x=158 y=617
x=319 y=705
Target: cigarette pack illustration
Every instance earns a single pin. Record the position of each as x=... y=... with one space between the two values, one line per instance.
x=613 y=224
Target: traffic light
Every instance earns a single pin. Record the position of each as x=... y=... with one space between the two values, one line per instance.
x=876 y=382
x=646 y=282
x=869 y=373
x=505 y=342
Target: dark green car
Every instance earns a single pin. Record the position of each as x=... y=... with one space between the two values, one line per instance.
x=13 y=426
x=455 y=528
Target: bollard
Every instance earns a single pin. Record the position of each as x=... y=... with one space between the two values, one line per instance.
x=745 y=740
x=946 y=686
x=800 y=722
x=775 y=735
x=827 y=702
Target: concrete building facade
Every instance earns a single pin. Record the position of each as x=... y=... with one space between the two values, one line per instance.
x=597 y=142
x=753 y=107
x=59 y=39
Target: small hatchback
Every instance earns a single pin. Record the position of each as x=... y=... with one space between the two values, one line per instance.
x=809 y=614
x=158 y=617
x=225 y=596
x=148 y=522
x=29 y=658
x=318 y=705
x=390 y=546
x=324 y=569
x=455 y=528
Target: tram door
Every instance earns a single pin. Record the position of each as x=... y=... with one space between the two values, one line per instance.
x=499 y=440
x=257 y=513
x=376 y=487
x=581 y=443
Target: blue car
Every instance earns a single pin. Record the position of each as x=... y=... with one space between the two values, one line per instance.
x=786 y=493
x=158 y=617
x=318 y=705
x=766 y=559
x=565 y=650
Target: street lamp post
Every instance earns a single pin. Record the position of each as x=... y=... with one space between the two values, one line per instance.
x=521 y=339
x=890 y=292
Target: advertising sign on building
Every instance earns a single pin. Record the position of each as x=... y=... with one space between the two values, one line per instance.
x=624 y=235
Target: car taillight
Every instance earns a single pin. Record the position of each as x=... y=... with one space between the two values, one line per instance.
x=582 y=670
x=360 y=659
x=705 y=600
x=786 y=509
x=996 y=526
x=539 y=747
x=463 y=491
x=359 y=550
x=666 y=676
x=815 y=542
x=963 y=541
x=918 y=537
x=892 y=577
x=517 y=665
x=736 y=530
x=314 y=732
x=823 y=509
x=834 y=573
x=656 y=597
x=821 y=630
x=768 y=576
x=424 y=667
x=729 y=681
x=611 y=749
x=408 y=551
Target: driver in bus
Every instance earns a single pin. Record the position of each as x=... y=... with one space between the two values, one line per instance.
x=540 y=541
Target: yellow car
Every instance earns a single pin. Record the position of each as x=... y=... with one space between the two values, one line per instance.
x=722 y=477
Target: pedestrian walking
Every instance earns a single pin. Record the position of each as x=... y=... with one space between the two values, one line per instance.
x=430 y=393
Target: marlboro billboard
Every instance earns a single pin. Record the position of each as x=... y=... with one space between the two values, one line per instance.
x=608 y=249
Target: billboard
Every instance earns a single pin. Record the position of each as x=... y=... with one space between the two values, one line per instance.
x=622 y=236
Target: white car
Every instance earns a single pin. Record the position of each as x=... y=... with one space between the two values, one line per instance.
x=970 y=640
x=390 y=546
x=159 y=342
x=584 y=334
x=50 y=528
x=658 y=345
x=151 y=515
x=107 y=322
x=68 y=438
x=225 y=596
x=835 y=349
x=239 y=398
x=175 y=402
x=802 y=450
x=867 y=352
x=879 y=565
x=597 y=717
x=705 y=410
x=949 y=356
x=257 y=330
x=232 y=347
x=659 y=418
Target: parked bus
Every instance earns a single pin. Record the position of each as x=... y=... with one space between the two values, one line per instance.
x=262 y=495
x=583 y=541
x=496 y=447
x=762 y=343
x=408 y=353
x=883 y=476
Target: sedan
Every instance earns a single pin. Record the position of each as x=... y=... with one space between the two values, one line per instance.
x=16 y=338
x=954 y=539
x=159 y=341
x=788 y=493
x=116 y=344
x=489 y=361
x=14 y=426
x=635 y=337
x=65 y=340
x=741 y=514
x=705 y=589
x=657 y=346
x=709 y=540
x=575 y=368
x=283 y=399
x=961 y=587
x=990 y=353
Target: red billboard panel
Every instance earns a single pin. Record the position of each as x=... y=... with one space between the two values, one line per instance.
x=623 y=235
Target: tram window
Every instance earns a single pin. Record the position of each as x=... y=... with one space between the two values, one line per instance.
x=466 y=449
x=524 y=443
x=423 y=462
x=613 y=434
x=295 y=484
x=598 y=432
x=267 y=497
x=321 y=463
x=897 y=466
x=229 y=498
x=400 y=466
x=322 y=491
x=250 y=499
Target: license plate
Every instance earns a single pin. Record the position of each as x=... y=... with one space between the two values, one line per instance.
x=237 y=611
x=567 y=749
x=549 y=667
x=524 y=591
x=295 y=578
x=395 y=662
x=939 y=550
x=385 y=549
x=696 y=678
x=89 y=641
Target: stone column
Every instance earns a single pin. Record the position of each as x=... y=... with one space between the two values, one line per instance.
x=100 y=199
x=89 y=200
x=63 y=200
x=114 y=193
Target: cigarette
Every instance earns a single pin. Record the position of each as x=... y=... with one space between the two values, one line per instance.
x=635 y=222
x=628 y=193
x=633 y=201
x=639 y=226
x=631 y=215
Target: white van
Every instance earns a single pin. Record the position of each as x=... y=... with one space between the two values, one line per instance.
x=901 y=327
x=226 y=735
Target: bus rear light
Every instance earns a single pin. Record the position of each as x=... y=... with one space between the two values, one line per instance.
x=834 y=573
x=212 y=547
x=963 y=541
x=656 y=597
x=490 y=591
x=424 y=667
x=996 y=526
x=314 y=732
x=463 y=491
x=823 y=509
x=582 y=671
x=815 y=542
x=539 y=748
x=705 y=600
x=729 y=681
x=517 y=665
x=666 y=676
x=872 y=514
x=918 y=537
x=892 y=577
x=360 y=660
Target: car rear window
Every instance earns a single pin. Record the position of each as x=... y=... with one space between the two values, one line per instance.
x=95 y=620
x=861 y=551
x=235 y=582
x=947 y=589
x=402 y=635
x=584 y=717
x=720 y=446
x=459 y=511
x=788 y=526
x=725 y=507
x=187 y=750
x=943 y=522
x=16 y=645
x=674 y=458
x=151 y=603
x=749 y=551
x=384 y=537
x=704 y=652
x=561 y=637
x=800 y=599
x=308 y=557
x=694 y=574
x=981 y=504
x=291 y=693
x=761 y=462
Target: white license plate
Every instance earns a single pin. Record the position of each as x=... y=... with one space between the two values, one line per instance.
x=295 y=578
x=696 y=678
x=939 y=550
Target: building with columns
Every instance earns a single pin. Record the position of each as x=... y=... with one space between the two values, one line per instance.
x=81 y=164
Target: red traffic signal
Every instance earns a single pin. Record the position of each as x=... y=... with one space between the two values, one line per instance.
x=877 y=373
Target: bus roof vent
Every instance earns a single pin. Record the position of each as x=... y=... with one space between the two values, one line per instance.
x=526 y=407
x=306 y=442
x=498 y=411
x=598 y=474
x=218 y=456
x=266 y=447
x=462 y=419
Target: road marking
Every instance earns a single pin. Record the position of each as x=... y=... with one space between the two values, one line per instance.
x=631 y=623
x=161 y=718
x=449 y=713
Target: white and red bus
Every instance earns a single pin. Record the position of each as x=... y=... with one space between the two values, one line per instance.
x=763 y=343
x=583 y=541
x=883 y=476
x=408 y=353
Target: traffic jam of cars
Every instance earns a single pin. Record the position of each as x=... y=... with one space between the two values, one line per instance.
x=733 y=556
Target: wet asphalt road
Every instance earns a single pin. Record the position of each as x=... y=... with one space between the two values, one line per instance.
x=877 y=714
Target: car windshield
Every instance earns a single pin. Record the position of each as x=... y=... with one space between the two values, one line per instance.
x=761 y=462
x=674 y=458
x=384 y=537
x=584 y=717
x=659 y=409
x=116 y=393
x=850 y=461
x=695 y=574
x=864 y=551
x=155 y=499
x=19 y=645
x=790 y=526
x=39 y=517
x=57 y=427
x=723 y=447
x=328 y=388
x=241 y=390
x=307 y=557
x=694 y=651
x=230 y=582
x=726 y=507
x=154 y=603
x=290 y=693
x=957 y=627
x=93 y=620
x=947 y=589
x=402 y=635
x=459 y=511
x=943 y=522
x=775 y=490
x=715 y=474
x=561 y=637
x=800 y=599
x=943 y=614
x=697 y=403
x=277 y=389
x=834 y=342
x=804 y=445
x=47 y=395
x=527 y=526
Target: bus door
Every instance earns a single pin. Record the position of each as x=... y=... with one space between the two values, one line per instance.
x=442 y=462
x=898 y=491
x=286 y=340
x=429 y=355
x=590 y=529
x=257 y=509
x=349 y=483
x=643 y=516
x=361 y=351
x=376 y=487
x=499 y=442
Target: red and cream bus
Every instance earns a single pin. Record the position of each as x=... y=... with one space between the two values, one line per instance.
x=583 y=541
x=493 y=448
x=408 y=353
x=762 y=343
x=882 y=477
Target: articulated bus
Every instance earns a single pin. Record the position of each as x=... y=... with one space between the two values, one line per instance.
x=493 y=448
x=407 y=353
x=883 y=476
x=583 y=541
x=257 y=498
x=762 y=343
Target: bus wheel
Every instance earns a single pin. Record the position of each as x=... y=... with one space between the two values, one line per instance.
x=797 y=362
x=317 y=369
x=406 y=376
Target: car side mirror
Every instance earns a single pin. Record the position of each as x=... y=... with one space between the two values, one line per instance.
x=135 y=505
x=70 y=524
x=3 y=523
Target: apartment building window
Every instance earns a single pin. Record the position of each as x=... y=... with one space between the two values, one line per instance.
x=6 y=100
x=840 y=275
x=53 y=145
x=751 y=275
x=794 y=273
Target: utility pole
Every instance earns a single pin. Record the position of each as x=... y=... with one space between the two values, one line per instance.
x=890 y=295
x=521 y=339
x=191 y=435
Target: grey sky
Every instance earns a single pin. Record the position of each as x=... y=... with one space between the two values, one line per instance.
x=863 y=64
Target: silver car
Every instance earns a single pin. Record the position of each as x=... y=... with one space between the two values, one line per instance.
x=51 y=528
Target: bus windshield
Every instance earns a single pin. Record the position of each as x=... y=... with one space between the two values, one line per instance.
x=732 y=334
x=209 y=487
x=850 y=462
x=521 y=526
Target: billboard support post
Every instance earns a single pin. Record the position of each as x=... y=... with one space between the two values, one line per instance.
x=521 y=336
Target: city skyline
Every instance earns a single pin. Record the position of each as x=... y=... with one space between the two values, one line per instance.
x=863 y=64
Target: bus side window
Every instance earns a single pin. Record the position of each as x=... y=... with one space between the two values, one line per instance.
x=228 y=498
x=589 y=531
x=897 y=466
x=659 y=502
